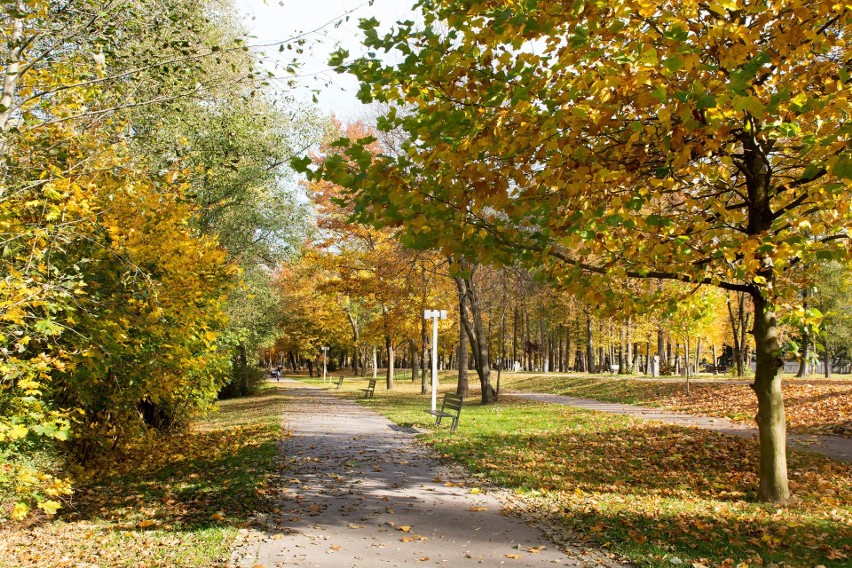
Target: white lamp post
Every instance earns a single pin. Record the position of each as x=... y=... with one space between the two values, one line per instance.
x=434 y=315
x=324 y=351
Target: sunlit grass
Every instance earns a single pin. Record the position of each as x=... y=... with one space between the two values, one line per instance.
x=648 y=491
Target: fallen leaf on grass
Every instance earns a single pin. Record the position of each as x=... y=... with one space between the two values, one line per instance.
x=217 y=517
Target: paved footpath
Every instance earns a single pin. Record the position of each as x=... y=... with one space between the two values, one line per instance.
x=831 y=446
x=358 y=491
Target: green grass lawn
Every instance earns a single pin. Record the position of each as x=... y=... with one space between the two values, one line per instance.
x=177 y=502
x=653 y=493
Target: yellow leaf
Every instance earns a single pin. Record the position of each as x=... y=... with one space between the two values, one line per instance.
x=17 y=432
x=512 y=555
x=475 y=509
x=50 y=507
x=404 y=528
x=20 y=511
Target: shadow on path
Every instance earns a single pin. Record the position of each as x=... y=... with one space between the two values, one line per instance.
x=357 y=491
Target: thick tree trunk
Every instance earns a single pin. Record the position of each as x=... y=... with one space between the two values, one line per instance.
x=415 y=361
x=590 y=348
x=389 y=374
x=463 y=387
x=803 y=360
x=475 y=330
x=771 y=421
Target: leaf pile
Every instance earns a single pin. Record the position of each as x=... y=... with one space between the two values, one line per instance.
x=179 y=502
x=812 y=406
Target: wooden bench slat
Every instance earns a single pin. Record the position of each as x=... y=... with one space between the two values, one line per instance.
x=450 y=402
x=370 y=391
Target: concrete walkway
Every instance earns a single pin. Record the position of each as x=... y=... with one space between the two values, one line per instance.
x=831 y=446
x=357 y=491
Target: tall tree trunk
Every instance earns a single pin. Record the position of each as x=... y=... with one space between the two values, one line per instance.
x=424 y=360
x=590 y=348
x=648 y=356
x=415 y=360
x=12 y=75
x=463 y=387
x=697 y=365
x=771 y=421
x=515 y=331
x=389 y=373
x=473 y=325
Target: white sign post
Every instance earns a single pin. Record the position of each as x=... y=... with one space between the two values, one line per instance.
x=435 y=315
x=324 y=351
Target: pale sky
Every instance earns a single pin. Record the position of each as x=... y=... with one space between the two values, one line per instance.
x=276 y=20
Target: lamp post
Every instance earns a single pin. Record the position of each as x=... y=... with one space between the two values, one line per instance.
x=434 y=315
x=324 y=351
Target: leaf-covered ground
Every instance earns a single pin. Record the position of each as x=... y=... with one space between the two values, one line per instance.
x=813 y=406
x=658 y=494
x=179 y=502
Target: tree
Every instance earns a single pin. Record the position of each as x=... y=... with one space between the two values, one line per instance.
x=111 y=300
x=833 y=298
x=703 y=143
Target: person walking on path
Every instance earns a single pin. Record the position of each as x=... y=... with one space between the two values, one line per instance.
x=357 y=491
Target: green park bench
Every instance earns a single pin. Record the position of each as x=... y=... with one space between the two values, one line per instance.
x=450 y=408
x=370 y=390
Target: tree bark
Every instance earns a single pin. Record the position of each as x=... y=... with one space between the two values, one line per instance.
x=463 y=387
x=771 y=420
x=590 y=348
x=389 y=374
x=415 y=361
x=473 y=326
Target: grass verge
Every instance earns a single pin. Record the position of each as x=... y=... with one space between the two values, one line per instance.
x=813 y=406
x=178 y=502
x=659 y=495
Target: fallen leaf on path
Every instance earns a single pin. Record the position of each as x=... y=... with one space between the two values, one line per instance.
x=334 y=547
x=475 y=509
x=355 y=526
x=404 y=528
x=424 y=559
x=512 y=556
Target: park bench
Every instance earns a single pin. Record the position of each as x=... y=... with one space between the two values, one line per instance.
x=370 y=390
x=339 y=382
x=450 y=408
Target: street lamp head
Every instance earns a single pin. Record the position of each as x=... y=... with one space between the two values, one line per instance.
x=437 y=314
